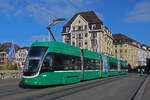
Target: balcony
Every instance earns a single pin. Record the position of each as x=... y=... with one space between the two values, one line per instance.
x=78 y=30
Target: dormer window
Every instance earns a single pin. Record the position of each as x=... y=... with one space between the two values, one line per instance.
x=73 y=28
x=110 y=33
x=67 y=29
x=85 y=27
x=93 y=26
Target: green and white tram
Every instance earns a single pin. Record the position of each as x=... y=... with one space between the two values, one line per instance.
x=53 y=63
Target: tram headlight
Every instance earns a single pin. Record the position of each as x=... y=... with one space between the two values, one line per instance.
x=26 y=81
x=35 y=81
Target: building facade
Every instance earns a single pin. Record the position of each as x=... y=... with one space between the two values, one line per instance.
x=126 y=49
x=145 y=55
x=86 y=30
x=148 y=52
x=142 y=55
x=3 y=59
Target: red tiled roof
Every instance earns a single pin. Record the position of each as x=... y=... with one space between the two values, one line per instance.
x=124 y=39
x=89 y=16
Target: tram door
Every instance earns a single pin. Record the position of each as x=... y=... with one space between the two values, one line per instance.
x=82 y=65
x=105 y=63
x=119 y=67
x=100 y=68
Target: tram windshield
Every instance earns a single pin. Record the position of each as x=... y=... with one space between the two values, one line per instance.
x=33 y=60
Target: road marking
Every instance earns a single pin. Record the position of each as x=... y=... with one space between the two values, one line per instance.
x=140 y=92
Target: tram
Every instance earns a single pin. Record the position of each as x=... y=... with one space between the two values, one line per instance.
x=54 y=63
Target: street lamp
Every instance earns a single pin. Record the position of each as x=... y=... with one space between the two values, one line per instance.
x=53 y=23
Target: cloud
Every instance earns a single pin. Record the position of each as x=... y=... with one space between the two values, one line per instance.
x=42 y=10
x=99 y=15
x=39 y=38
x=140 y=13
x=41 y=14
x=4 y=4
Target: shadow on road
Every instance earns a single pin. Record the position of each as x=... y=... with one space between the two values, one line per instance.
x=21 y=85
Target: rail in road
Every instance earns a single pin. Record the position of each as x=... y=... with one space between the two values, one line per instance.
x=98 y=89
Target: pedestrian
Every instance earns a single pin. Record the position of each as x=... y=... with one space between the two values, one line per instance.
x=141 y=71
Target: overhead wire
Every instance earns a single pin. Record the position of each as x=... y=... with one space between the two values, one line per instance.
x=75 y=6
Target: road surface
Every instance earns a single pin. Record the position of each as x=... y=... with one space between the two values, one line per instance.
x=124 y=87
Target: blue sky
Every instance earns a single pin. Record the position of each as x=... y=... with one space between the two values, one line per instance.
x=24 y=21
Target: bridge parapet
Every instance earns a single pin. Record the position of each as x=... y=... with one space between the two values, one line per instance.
x=10 y=74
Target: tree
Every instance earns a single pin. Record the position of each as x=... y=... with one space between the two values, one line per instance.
x=11 y=65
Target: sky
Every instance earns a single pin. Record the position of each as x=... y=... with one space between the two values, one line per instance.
x=24 y=21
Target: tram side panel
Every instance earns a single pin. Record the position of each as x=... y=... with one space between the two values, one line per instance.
x=91 y=65
x=62 y=64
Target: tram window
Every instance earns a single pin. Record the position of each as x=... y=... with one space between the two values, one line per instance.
x=66 y=62
x=37 y=51
x=113 y=65
x=47 y=63
x=123 y=66
x=58 y=62
x=91 y=64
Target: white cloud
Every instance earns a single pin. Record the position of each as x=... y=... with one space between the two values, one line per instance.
x=99 y=15
x=141 y=13
x=41 y=10
x=4 y=4
x=39 y=38
x=39 y=13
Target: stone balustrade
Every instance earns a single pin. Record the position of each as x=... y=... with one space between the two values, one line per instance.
x=10 y=74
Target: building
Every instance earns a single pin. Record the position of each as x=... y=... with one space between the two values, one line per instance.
x=145 y=54
x=148 y=52
x=142 y=55
x=126 y=49
x=86 y=30
x=3 y=59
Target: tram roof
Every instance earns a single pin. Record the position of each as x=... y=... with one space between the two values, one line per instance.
x=123 y=62
x=91 y=54
x=112 y=59
x=59 y=47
